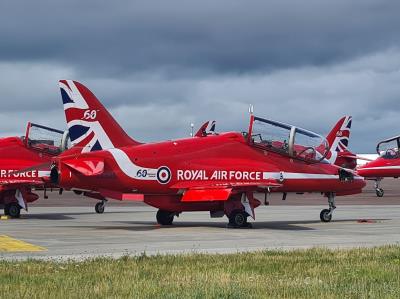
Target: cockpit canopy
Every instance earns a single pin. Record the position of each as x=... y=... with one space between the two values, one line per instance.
x=288 y=140
x=389 y=148
x=46 y=139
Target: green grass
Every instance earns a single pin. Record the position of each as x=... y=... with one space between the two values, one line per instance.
x=316 y=273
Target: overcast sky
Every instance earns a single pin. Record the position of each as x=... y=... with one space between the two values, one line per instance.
x=160 y=65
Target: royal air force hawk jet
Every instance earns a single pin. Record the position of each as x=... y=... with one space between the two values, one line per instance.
x=219 y=173
x=37 y=147
x=386 y=165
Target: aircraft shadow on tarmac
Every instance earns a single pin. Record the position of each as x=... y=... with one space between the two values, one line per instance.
x=267 y=225
x=65 y=216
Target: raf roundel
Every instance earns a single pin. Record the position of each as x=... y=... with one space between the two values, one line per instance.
x=163 y=175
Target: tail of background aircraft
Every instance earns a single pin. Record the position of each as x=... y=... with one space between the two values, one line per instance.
x=90 y=125
x=338 y=140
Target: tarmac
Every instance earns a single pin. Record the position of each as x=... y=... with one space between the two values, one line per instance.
x=66 y=227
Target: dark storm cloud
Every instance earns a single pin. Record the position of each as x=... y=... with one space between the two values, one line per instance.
x=103 y=38
x=160 y=65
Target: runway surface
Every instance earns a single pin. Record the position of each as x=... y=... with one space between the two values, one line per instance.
x=64 y=231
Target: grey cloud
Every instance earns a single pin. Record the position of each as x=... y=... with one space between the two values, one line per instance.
x=153 y=108
x=103 y=38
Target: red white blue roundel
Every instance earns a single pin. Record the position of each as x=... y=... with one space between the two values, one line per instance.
x=163 y=175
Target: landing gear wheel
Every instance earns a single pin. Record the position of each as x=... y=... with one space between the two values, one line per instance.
x=164 y=217
x=99 y=207
x=238 y=219
x=379 y=192
x=325 y=215
x=13 y=210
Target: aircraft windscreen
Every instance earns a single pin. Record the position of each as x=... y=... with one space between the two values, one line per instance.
x=389 y=149
x=45 y=139
x=286 y=139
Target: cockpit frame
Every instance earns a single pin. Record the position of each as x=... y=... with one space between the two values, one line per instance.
x=389 y=153
x=288 y=146
x=47 y=144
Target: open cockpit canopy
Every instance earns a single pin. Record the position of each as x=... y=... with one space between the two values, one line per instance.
x=45 y=139
x=287 y=140
x=389 y=148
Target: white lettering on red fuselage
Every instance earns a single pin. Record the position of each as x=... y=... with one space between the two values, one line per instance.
x=11 y=173
x=218 y=175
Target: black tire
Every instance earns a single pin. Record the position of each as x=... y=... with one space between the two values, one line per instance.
x=164 y=217
x=13 y=210
x=379 y=192
x=238 y=218
x=325 y=216
x=99 y=208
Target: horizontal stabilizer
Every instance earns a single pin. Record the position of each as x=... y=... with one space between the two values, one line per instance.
x=87 y=167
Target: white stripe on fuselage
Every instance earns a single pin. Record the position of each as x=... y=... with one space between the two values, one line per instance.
x=380 y=167
x=302 y=176
x=131 y=169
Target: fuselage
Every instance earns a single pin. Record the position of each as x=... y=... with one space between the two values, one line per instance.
x=380 y=168
x=15 y=156
x=167 y=167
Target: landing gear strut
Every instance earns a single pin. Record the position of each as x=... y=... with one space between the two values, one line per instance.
x=326 y=214
x=99 y=207
x=379 y=191
x=165 y=217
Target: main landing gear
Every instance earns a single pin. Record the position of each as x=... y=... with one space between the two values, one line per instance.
x=99 y=207
x=238 y=219
x=326 y=214
x=13 y=210
x=165 y=217
x=379 y=191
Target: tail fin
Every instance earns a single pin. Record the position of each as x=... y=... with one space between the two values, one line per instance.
x=338 y=138
x=90 y=125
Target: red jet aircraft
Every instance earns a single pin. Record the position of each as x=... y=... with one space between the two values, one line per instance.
x=214 y=172
x=386 y=165
x=39 y=145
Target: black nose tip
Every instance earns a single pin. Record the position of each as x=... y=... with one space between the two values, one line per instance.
x=54 y=175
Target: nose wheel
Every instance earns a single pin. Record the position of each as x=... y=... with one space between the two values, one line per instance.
x=326 y=214
x=99 y=207
x=379 y=191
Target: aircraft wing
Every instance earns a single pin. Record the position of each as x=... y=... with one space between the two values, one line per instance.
x=15 y=183
x=211 y=191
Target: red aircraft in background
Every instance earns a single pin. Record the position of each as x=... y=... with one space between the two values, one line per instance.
x=39 y=145
x=386 y=165
x=218 y=173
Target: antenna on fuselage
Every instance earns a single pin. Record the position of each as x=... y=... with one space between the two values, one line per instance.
x=191 y=130
x=251 y=109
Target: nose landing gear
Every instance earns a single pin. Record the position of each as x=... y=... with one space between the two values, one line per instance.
x=379 y=191
x=326 y=214
x=99 y=207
